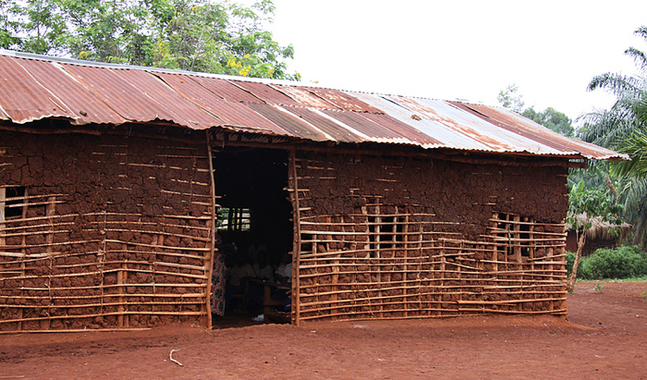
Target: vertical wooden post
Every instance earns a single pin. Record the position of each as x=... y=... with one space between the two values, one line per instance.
x=516 y=236
x=459 y=260
x=296 y=243
x=405 y=245
x=122 y=279
x=44 y=324
x=335 y=267
x=420 y=252
x=495 y=253
x=443 y=261
x=212 y=232
x=3 y=197
x=378 y=256
x=49 y=212
x=101 y=255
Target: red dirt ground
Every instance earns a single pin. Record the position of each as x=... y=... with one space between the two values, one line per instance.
x=605 y=337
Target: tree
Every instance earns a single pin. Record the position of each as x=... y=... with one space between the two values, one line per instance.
x=549 y=118
x=195 y=35
x=588 y=204
x=511 y=99
x=623 y=127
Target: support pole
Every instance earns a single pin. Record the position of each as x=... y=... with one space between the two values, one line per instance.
x=296 y=250
x=212 y=232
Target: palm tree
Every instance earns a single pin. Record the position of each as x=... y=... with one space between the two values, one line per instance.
x=623 y=127
x=632 y=185
x=629 y=111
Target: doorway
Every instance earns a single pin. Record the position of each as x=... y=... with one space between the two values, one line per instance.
x=254 y=224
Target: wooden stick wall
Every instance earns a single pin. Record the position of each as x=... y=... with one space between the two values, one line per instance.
x=385 y=261
x=121 y=267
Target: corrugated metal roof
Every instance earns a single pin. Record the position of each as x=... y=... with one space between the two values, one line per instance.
x=232 y=115
x=84 y=106
x=267 y=93
x=227 y=90
x=23 y=99
x=326 y=124
x=37 y=87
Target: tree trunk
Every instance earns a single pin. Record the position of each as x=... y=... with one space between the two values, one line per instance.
x=570 y=284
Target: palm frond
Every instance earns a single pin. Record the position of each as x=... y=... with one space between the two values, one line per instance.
x=635 y=145
x=639 y=57
x=617 y=84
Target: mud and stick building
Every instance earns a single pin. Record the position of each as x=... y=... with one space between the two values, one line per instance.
x=119 y=184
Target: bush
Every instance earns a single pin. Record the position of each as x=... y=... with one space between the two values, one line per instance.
x=621 y=262
x=570 y=259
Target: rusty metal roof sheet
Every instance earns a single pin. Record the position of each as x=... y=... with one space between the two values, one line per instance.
x=291 y=123
x=307 y=98
x=344 y=100
x=326 y=124
x=227 y=90
x=267 y=93
x=84 y=106
x=445 y=137
x=23 y=98
x=517 y=124
x=36 y=87
x=233 y=115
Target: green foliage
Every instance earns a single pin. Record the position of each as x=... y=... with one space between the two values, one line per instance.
x=570 y=259
x=597 y=288
x=196 y=35
x=635 y=145
x=551 y=119
x=632 y=182
x=623 y=127
x=511 y=99
x=618 y=263
x=593 y=203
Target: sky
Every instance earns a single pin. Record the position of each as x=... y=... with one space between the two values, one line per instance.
x=467 y=50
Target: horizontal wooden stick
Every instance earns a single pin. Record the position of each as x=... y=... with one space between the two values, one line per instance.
x=127 y=303
x=53 y=296
x=445 y=314
x=200 y=276
x=423 y=282
x=58 y=331
x=371 y=315
x=53 y=317
x=36 y=233
x=38 y=218
x=514 y=301
x=188 y=217
x=561 y=311
x=336 y=254
x=198 y=238
x=27 y=246
x=153 y=223
x=159 y=252
x=394 y=306
x=495 y=231
x=429 y=291
x=557 y=225
x=548 y=257
x=41 y=227
x=197 y=249
x=373 y=262
x=98 y=287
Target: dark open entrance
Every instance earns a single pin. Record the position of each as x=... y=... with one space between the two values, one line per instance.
x=254 y=224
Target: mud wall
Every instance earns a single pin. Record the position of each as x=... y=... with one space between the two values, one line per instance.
x=408 y=238
x=102 y=231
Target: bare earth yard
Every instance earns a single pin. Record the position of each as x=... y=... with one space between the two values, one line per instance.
x=604 y=337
